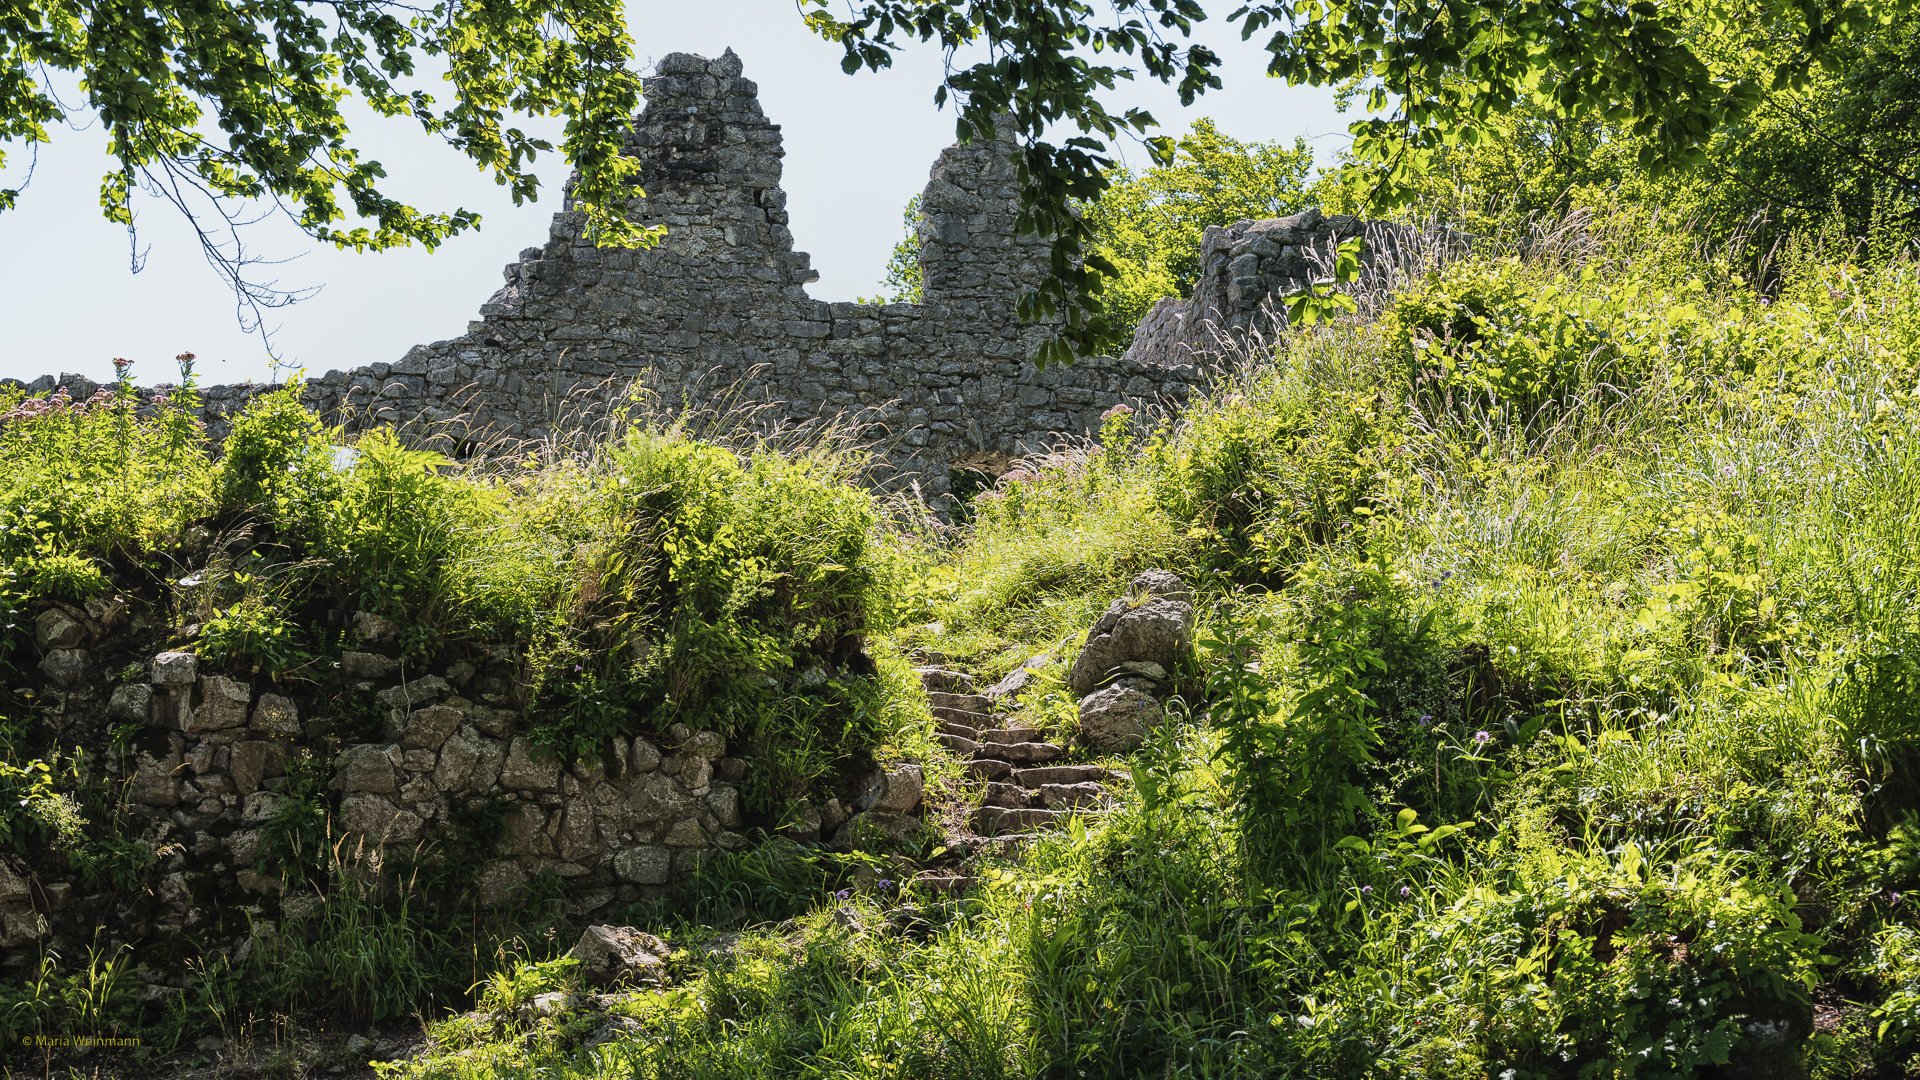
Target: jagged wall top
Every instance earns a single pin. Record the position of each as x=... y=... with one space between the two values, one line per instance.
x=718 y=311
x=716 y=318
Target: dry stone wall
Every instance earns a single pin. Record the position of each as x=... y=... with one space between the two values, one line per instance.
x=717 y=319
x=216 y=769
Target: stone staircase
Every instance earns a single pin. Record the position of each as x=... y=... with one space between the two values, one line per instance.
x=1029 y=785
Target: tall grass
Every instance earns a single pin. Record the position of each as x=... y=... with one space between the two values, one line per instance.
x=1554 y=715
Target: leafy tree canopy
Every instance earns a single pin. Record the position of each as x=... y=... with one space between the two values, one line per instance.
x=1438 y=73
x=1148 y=226
x=903 y=283
x=1837 y=154
x=242 y=102
x=213 y=105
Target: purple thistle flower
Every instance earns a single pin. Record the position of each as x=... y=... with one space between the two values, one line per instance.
x=1481 y=738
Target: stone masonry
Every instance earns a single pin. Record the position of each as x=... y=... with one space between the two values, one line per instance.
x=716 y=319
x=1248 y=267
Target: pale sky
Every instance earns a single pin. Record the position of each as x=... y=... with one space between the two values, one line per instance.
x=857 y=148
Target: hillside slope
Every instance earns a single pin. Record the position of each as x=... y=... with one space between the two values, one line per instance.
x=1553 y=710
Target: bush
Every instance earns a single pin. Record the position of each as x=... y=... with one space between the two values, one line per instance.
x=278 y=462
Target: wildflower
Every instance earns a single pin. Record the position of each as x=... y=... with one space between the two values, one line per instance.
x=1425 y=719
x=1405 y=892
x=1119 y=412
x=843 y=894
x=1366 y=890
x=886 y=883
x=577 y=669
x=1481 y=738
x=1894 y=899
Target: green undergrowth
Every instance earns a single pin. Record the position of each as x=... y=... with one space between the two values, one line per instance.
x=1556 y=714
x=625 y=587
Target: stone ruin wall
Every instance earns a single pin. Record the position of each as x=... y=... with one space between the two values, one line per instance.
x=1247 y=268
x=716 y=319
x=208 y=767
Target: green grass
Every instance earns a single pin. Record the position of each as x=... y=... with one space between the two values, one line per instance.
x=1555 y=716
x=622 y=587
x=1555 y=712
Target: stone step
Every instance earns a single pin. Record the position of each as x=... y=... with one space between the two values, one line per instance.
x=945 y=680
x=969 y=702
x=959 y=744
x=941 y=882
x=970 y=717
x=989 y=768
x=948 y=727
x=1066 y=774
x=1070 y=796
x=1025 y=753
x=1010 y=795
x=999 y=820
x=1013 y=735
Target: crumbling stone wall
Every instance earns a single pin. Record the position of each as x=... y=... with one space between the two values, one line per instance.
x=207 y=761
x=1248 y=268
x=717 y=319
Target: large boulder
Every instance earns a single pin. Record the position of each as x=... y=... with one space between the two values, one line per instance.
x=253 y=761
x=621 y=955
x=276 y=716
x=67 y=667
x=1158 y=630
x=155 y=780
x=468 y=762
x=643 y=864
x=428 y=728
x=379 y=820
x=899 y=790
x=1116 y=719
x=131 y=703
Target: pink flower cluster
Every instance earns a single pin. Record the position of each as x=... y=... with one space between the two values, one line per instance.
x=1117 y=412
x=59 y=403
